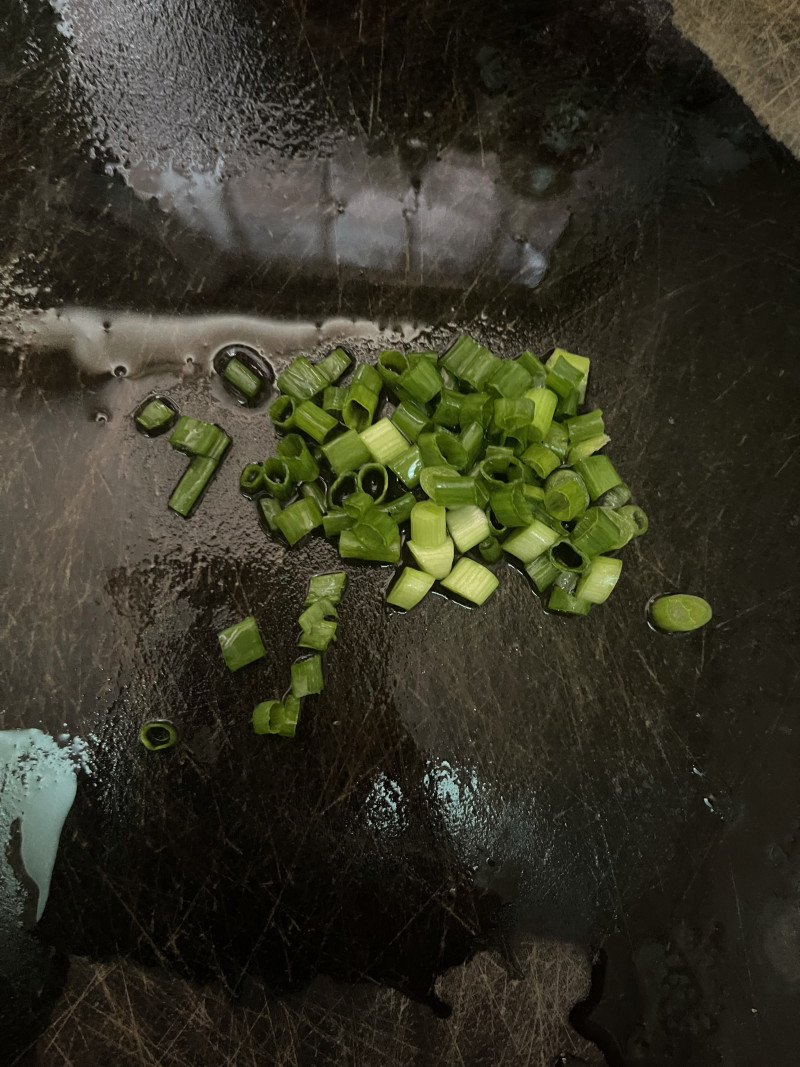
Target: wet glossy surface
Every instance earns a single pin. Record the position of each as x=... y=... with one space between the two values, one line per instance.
x=529 y=787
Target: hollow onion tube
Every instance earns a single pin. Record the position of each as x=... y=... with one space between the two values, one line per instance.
x=298 y=519
x=477 y=407
x=251 y=480
x=411 y=420
x=509 y=504
x=512 y=414
x=471 y=580
x=448 y=411
x=362 y=397
x=544 y=408
x=342 y=488
x=565 y=557
x=269 y=509
x=281 y=413
x=334 y=365
x=428 y=524
x=530 y=541
x=277 y=717
x=565 y=495
x=471 y=439
x=335 y=520
x=353 y=544
x=194 y=437
x=242 y=378
x=459 y=354
x=391 y=364
x=680 y=613
x=422 y=381
x=307 y=677
x=409 y=589
x=541 y=572
x=562 y=601
x=333 y=399
x=314 y=420
x=301 y=380
x=616 y=497
x=294 y=452
x=384 y=441
x=407 y=467
x=437 y=561
x=400 y=508
x=373 y=473
x=557 y=439
x=540 y=459
x=468 y=526
x=599 y=475
x=347 y=452
x=587 y=448
x=155 y=417
x=598 y=531
x=534 y=366
x=451 y=449
x=563 y=377
x=580 y=363
x=329 y=586
x=597 y=583
x=315 y=491
x=241 y=644
x=490 y=549
x=277 y=479
x=192 y=485
x=583 y=427
x=448 y=488
x=158 y=735
x=510 y=379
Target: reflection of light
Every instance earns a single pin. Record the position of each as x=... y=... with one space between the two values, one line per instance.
x=37 y=788
x=385 y=807
x=470 y=814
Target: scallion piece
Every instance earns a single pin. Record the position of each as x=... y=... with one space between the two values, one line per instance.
x=459 y=354
x=422 y=381
x=557 y=439
x=477 y=407
x=584 y=427
x=544 y=404
x=301 y=380
x=490 y=549
x=580 y=363
x=353 y=545
x=509 y=504
x=281 y=413
x=451 y=449
x=411 y=420
x=429 y=450
x=510 y=379
x=373 y=478
x=512 y=414
x=599 y=530
x=320 y=609
x=294 y=452
x=400 y=508
x=540 y=459
x=598 y=474
x=407 y=467
x=471 y=439
x=391 y=364
x=428 y=524
x=335 y=521
x=567 y=406
x=587 y=448
x=277 y=717
x=329 y=587
x=467 y=526
x=277 y=479
x=194 y=437
x=342 y=488
x=478 y=370
x=241 y=644
x=633 y=514
x=362 y=397
x=496 y=528
x=155 y=417
x=269 y=508
x=315 y=491
x=307 y=677
x=384 y=441
x=319 y=635
x=616 y=497
x=242 y=378
x=448 y=488
x=501 y=468
x=437 y=561
x=565 y=496
x=565 y=557
x=563 y=377
x=541 y=572
x=561 y=600
x=158 y=735
x=411 y=586
x=448 y=411
x=680 y=613
x=347 y=452
x=333 y=399
x=534 y=366
x=298 y=519
x=251 y=480
x=471 y=580
x=313 y=420
x=530 y=541
x=333 y=366
x=597 y=583
x=192 y=485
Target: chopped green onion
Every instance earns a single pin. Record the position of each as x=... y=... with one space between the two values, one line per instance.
x=679 y=613
x=241 y=644
x=194 y=437
x=242 y=378
x=565 y=495
x=477 y=407
x=307 y=677
x=313 y=420
x=460 y=354
x=192 y=485
x=451 y=449
x=496 y=528
x=334 y=365
x=510 y=379
x=471 y=580
x=598 y=531
x=561 y=600
x=298 y=519
x=276 y=717
x=540 y=459
x=565 y=557
x=580 y=363
x=251 y=480
x=437 y=561
x=277 y=479
x=542 y=572
x=563 y=377
x=269 y=508
x=567 y=406
x=219 y=448
x=534 y=366
x=319 y=636
x=326 y=587
x=512 y=414
x=447 y=488
x=411 y=586
x=557 y=439
x=509 y=504
x=301 y=380
x=294 y=452
x=333 y=399
x=315 y=491
x=544 y=405
x=587 y=448
x=422 y=381
x=616 y=497
x=384 y=441
x=342 y=488
x=155 y=417
x=597 y=583
x=490 y=549
x=467 y=526
x=634 y=515
x=530 y=541
x=158 y=735
x=354 y=545
x=584 y=427
x=598 y=474
x=391 y=364
x=335 y=521
x=501 y=468
x=281 y=413
x=411 y=420
x=319 y=610
x=346 y=452
x=373 y=478
x=360 y=405
x=428 y=524
x=471 y=439
x=533 y=492
x=448 y=410
x=478 y=370
x=400 y=508
x=407 y=467
x=429 y=450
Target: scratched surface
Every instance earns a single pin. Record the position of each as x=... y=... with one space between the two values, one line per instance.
x=500 y=837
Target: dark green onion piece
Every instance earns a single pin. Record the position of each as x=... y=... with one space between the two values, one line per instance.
x=560 y=600
x=471 y=580
x=301 y=380
x=409 y=588
x=298 y=519
x=598 y=531
x=471 y=439
x=315 y=491
x=567 y=406
x=400 y=508
x=342 y=488
x=509 y=504
x=459 y=355
x=277 y=479
x=540 y=459
x=597 y=583
x=477 y=407
x=192 y=485
x=512 y=414
x=319 y=636
x=478 y=371
x=269 y=508
x=384 y=441
x=436 y=561
x=335 y=521
x=277 y=717
x=194 y=437
x=580 y=363
x=251 y=480
x=242 y=378
x=429 y=450
x=565 y=496
x=313 y=420
x=530 y=541
x=241 y=644
x=347 y=452
x=510 y=379
x=411 y=420
x=448 y=411
x=563 y=378
x=616 y=497
x=541 y=572
x=373 y=472
x=544 y=403
x=583 y=427
x=354 y=545
x=565 y=557
x=451 y=449
x=281 y=413
x=501 y=469
x=407 y=467
x=333 y=399
x=598 y=474
x=359 y=408
x=448 y=488
x=680 y=613
x=294 y=452
x=219 y=448
x=155 y=417
x=329 y=587
x=391 y=364
x=534 y=366
x=422 y=381
x=636 y=517
x=587 y=448
x=490 y=550
x=334 y=365
x=557 y=440
x=158 y=735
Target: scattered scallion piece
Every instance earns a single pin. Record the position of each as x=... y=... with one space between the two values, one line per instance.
x=314 y=420
x=411 y=420
x=597 y=583
x=155 y=417
x=301 y=380
x=251 y=480
x=192 y=485
x=269 y=508
x=158 y=735
x=194 y=437
x=471 y=580
x=298 y=519
x=294 y=452
x=326 y=587
x=242 y=378
x=490 y=549
x=373 y=478
x=281 y=413
x=277 y=717
x=409 y=588
x=362 y=398
x=561 y=600
x=679 y=613
x=277 y=479
x=599 y=475
x=241 y=644
x=307 y=677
